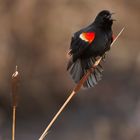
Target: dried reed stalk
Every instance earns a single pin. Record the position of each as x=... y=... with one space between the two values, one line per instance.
x=15 y=82
x=75 y=90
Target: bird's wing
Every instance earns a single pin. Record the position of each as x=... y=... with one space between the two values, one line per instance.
x=80 y=41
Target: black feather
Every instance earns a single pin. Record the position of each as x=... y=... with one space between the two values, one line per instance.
x=84 y=53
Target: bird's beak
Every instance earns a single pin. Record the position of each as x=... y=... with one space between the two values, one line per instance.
x=112 y=18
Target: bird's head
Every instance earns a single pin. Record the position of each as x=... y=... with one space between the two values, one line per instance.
x=104 y=19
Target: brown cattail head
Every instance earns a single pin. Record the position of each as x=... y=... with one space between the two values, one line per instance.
x=15 y=83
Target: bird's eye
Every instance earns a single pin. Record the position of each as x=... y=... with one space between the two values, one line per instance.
x=106 y=15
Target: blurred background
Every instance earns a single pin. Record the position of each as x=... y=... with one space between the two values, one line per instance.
x=35 y=35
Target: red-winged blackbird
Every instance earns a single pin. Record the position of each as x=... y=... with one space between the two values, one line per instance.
x=87 y=44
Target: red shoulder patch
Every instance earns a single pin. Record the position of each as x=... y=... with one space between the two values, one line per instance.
x=88 y=37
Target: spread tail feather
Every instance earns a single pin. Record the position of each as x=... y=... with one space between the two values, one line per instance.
x=79 y=68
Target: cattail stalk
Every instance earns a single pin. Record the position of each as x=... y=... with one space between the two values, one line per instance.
x=15 y=82
x=75 y=90
x=14 y=123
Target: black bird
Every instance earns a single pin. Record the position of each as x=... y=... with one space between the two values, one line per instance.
x=87 y=44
